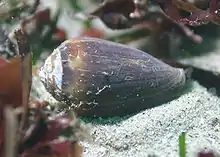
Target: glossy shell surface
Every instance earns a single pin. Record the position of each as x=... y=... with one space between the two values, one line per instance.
x=102 y=78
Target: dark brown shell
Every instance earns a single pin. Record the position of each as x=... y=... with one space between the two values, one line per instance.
x=103 y=78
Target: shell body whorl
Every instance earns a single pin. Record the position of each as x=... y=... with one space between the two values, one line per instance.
x=103 y=78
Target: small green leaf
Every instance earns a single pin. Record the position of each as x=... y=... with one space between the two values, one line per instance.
x=74 y=4
x=182 y=145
